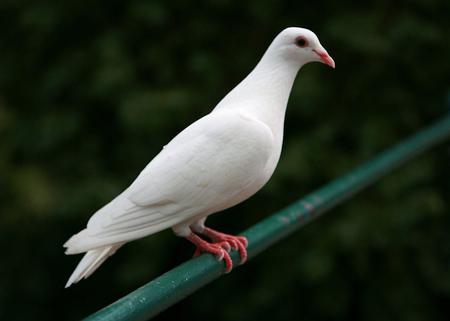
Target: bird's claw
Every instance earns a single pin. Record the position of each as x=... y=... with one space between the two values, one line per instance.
x=238 y=243
x=220 y=251
x=221 y=246
x=225 y=245
x=197 y=252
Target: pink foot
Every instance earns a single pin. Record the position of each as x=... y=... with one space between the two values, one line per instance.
x=220 y=250
x=238 y=243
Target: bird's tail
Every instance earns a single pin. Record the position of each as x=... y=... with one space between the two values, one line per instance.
x=91 y=261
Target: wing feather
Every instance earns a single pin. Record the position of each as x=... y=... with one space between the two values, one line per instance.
x=202 y=170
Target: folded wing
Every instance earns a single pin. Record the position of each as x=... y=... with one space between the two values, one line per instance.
x=202 y=170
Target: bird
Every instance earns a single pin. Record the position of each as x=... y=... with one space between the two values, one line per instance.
x=215 y=163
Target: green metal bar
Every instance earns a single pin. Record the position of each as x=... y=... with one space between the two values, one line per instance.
x=171 y=287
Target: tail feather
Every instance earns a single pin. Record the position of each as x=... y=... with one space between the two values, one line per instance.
x=72 y=244
x=91 y=261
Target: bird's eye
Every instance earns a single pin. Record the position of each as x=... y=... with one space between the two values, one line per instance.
x=301 y=42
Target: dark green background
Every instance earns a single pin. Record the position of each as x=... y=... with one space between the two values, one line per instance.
x=91 y=90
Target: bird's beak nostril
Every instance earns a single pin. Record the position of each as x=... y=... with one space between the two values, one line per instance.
x=325 y=57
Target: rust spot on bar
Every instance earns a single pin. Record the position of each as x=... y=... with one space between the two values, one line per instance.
x=309 y=207
x=310 y=210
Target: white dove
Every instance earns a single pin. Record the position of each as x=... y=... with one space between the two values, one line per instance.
x=217 y=162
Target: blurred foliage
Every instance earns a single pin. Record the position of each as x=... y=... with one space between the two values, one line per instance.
x=90 y=91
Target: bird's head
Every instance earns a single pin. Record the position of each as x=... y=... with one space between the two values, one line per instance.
x=301 y=46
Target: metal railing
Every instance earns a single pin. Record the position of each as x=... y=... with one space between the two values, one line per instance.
x=176 y=284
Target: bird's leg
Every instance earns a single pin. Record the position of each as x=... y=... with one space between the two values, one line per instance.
x=213 y=248
x=238 y=243
x=197 y=252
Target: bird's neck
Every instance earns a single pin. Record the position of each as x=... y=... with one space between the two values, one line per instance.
x=264 y=93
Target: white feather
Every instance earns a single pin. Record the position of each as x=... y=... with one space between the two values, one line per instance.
x=90 y=262
x=181 y=182
x=215 y=163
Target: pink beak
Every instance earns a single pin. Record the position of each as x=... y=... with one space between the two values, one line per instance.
x=325 y=57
